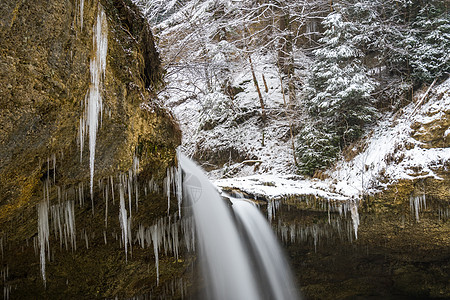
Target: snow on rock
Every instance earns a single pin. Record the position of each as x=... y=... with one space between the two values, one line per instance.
x=392 y=153
x=273 y=187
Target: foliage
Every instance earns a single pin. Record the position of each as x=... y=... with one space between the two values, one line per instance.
x=338 y=95
x=428 y=43
x=317 y=149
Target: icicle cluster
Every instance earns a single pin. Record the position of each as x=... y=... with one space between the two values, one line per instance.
x=338 y=214
x=168 y=234
x=272 y=207
x=89 y=121
x=4 y=274
x=337 y=228
x=417 y=203
x=173 y=184
x=63 y=217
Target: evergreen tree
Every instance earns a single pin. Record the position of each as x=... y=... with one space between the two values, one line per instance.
x=337 y=94
x=316 y=148
x=428 y=43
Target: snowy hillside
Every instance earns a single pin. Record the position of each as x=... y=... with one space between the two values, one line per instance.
x=390 y=153
x=228 y=135
x=325 y=70
x=391 y=150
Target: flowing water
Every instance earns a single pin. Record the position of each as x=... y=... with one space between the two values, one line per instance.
x=239 y=261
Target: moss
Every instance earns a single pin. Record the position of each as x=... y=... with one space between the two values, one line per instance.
x=44 y=76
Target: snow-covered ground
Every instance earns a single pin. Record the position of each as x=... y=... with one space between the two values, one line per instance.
x=214 y=123
x=390 y=154
x=211 y=93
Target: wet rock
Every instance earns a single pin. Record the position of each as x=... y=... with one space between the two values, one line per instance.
x=44 y=77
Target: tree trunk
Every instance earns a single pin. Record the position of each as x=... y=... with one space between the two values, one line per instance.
x=291 y=131
x=255 y=82
x=266 y=88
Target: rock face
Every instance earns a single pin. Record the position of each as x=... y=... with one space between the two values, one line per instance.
x=45 y=53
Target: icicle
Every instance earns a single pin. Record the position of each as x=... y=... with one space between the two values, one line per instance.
x=86 y=239
x=355 y=216
x=43 y=230
x=167 y=189
x=130 y=189
x=93 y=99
x=112 y=189
x=417 y=203
x=81 y=13
x=69 y=214
x=179 y=183
x=106 y=206
x=129 y=237
x=175 y=243
x=140 y=236
x=135 y=172
x=54 y=167
x=269 y=210
x=123 y=219
x=156 y=240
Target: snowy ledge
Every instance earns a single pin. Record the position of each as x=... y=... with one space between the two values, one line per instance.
x=276 y=187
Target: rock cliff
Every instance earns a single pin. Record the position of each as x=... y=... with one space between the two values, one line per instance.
x=45 y=75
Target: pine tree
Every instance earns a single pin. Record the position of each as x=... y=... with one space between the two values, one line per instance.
x=428 y=43
x=316 y=148
x=337 y=93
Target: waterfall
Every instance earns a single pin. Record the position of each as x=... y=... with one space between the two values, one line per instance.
x=275 y=278
x=234 y=261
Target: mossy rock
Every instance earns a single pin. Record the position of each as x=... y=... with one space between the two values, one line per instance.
x=44 y=78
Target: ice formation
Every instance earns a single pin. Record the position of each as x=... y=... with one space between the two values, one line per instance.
x=123 y=217
x=81 y=13
x=93 y=99
x=173 y=185
x=417 y=203
x=63 y=219
x=43 y=228
x=179 y=182
x=168 y=234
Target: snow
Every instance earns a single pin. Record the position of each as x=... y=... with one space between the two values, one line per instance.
x=390 y=154
x=237 y=121
x=215 y=124
x=275 y=187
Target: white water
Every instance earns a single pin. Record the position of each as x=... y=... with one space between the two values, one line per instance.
x=93 y=100
x=226 y=261
x=275 y=277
